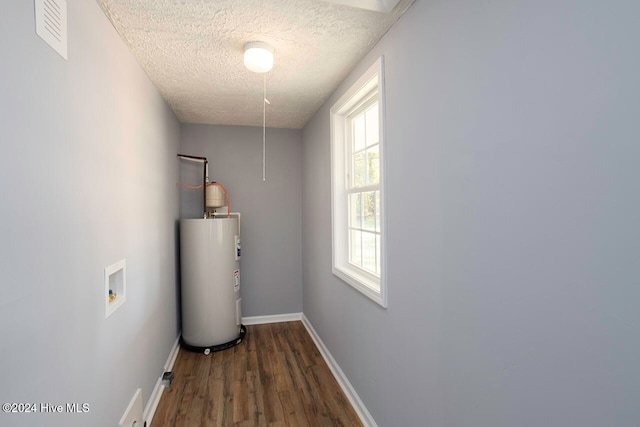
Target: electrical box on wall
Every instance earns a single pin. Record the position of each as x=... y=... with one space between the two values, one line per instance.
x=115 y=286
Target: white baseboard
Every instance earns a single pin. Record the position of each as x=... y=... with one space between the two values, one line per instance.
x=156 y=394
x=347 y=388
x=259 y=320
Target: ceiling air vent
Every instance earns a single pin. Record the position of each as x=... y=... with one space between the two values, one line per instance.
x=51 y=24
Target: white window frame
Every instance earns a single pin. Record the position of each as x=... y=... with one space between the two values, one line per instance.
x=361 y=91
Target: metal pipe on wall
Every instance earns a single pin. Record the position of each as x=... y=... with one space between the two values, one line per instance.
x=205 y=178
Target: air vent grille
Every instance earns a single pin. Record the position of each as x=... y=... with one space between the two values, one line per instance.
x=51 y=24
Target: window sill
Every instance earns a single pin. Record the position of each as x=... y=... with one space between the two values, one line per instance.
x=361 y=283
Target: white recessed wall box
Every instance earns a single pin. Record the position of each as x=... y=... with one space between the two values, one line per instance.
x=115 y=286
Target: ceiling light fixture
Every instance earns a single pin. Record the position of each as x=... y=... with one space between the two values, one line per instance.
x=258 y=57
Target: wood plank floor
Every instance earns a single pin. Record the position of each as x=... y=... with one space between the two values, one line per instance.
x=276 y=377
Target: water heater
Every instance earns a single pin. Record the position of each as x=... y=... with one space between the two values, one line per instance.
x=210 y=283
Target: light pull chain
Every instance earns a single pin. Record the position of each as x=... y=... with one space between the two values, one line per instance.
x=264 y=129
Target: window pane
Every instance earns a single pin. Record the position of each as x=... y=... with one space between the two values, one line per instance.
x=355 y=210
x=373 y=165
x=372 y=125
x=359 y=169
x=358 y=133
x=355 y=247
x=369 y=252
x=369 y=210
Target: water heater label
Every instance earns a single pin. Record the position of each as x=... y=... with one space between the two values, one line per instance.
x=236 y=280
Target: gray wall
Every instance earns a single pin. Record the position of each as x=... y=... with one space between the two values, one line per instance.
x=271 y=266
x=513 y=206
x=87 y=157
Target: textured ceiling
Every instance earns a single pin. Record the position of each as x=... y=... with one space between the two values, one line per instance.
x=192 y=50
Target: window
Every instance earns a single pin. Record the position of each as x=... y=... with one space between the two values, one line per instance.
x=357 y=147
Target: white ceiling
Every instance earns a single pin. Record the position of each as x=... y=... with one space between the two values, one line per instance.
x=192 y=50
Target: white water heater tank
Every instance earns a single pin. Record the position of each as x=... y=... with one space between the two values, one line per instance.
x=210 y=281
